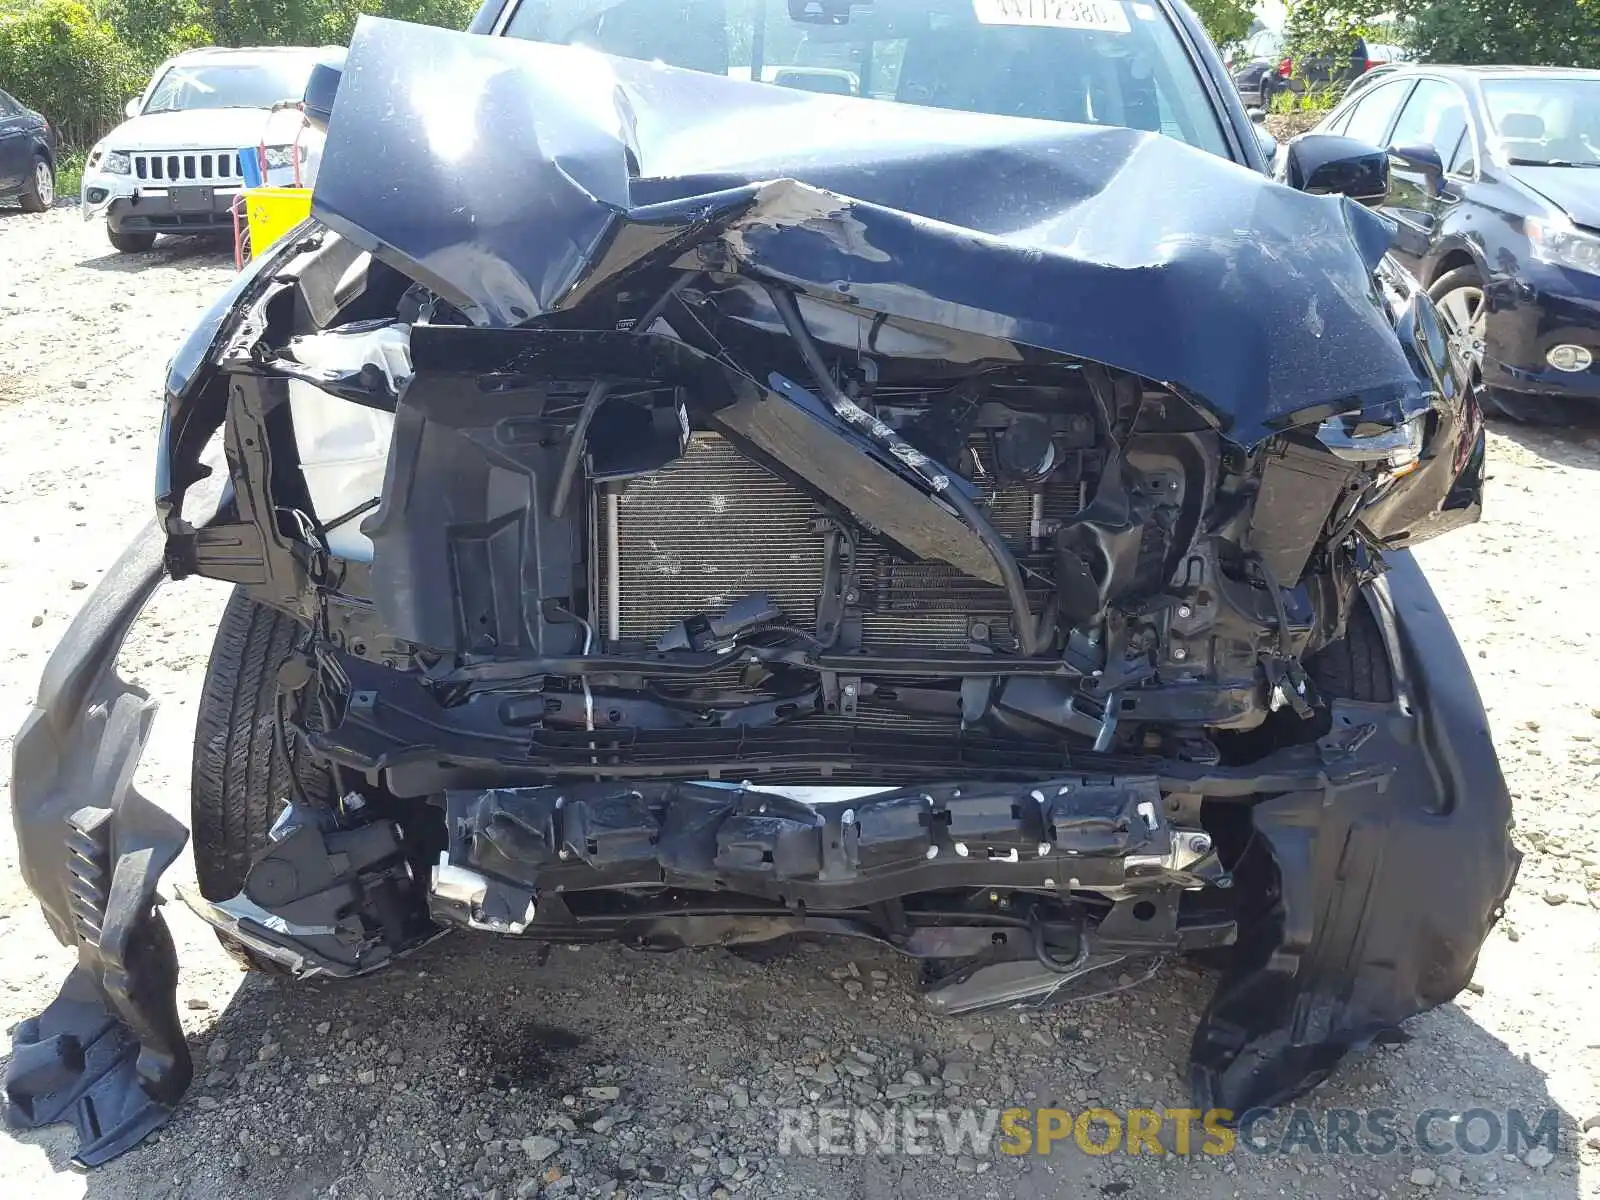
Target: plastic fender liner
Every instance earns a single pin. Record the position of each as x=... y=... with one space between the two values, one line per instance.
x=108 y=1054
x=1385 y=889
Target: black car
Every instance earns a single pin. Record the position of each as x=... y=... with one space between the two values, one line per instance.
x=670 y=508
x=1495 y=195
x=1264 y=69
x=27 y=156
x=1259 y=68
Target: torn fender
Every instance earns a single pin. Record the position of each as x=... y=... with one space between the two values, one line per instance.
x=1381 y=893
x=108 y=1054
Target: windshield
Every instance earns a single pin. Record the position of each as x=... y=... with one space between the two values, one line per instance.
x=253 y=85
x=1546 y=122
x=1102 y=62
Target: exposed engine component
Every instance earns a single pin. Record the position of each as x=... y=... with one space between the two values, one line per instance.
x=714 y=526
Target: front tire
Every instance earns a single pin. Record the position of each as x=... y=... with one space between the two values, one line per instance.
x=1357 y=666
x=129 y=242
x=39 y=192
x=240 y=780
x=1463 y=309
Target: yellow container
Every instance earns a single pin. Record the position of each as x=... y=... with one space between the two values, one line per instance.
x=271 y=212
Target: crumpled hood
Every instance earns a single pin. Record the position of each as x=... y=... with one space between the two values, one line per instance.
x=515 y=178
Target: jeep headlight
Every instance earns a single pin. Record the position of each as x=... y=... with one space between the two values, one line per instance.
x=284 y=156
x=1562 y=244
x=112 y=162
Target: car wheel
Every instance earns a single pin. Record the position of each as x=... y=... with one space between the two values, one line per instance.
x=130 y=243
x=1356 y=667
x=39 y=191
x=240 y=778
x=1463 y=309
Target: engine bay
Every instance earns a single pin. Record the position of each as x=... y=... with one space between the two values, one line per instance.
x=693 y=523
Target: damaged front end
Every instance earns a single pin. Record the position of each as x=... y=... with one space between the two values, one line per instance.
x=689 y=555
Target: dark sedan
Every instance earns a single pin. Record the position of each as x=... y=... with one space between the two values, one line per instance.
x=1495 y=194
x=27 y=156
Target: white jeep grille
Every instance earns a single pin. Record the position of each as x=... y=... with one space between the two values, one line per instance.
x=187 y=166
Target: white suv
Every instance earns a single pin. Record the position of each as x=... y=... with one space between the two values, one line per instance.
x=173 y=166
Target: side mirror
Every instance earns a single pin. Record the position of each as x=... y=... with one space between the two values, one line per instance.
x=1327 y=164
x=1425 y=159
x=1258 y=116
x=322 y=88
x=132 y=107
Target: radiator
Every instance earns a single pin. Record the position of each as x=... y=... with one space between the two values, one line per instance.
x=714 y=526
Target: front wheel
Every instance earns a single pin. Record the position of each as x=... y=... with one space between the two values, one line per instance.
x=129 y=242
x=1464 y=312
x=241 y=777
x=39 y=191
x=1357 y=666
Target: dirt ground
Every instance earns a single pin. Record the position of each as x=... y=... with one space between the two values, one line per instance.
x=476 y=1070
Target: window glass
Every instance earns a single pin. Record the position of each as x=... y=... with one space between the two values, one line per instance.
x=1104 y=62
x=213 y=85
x=1435 y=115
x=8 y=106
x=1369 y=120
x=1338 y=124
x=1546 y=120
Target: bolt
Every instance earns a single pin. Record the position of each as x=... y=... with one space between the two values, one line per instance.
x=849 y=689
x=1200 y=843
x=1179 y=653
x=851 y=596
x=1044 y=849
x=1048 y=882
x=1185 y=612
x=564 y=854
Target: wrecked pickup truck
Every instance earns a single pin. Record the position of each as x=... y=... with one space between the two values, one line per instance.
x=673 y=508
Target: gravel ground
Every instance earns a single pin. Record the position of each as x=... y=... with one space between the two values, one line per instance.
x=474 y=1070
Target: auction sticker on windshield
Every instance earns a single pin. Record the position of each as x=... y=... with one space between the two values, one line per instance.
x=1107 y=16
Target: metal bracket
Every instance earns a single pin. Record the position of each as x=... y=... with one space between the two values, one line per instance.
x=849 y=694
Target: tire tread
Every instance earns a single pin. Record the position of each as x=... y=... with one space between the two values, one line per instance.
x=1356 y=667
x=239 y=779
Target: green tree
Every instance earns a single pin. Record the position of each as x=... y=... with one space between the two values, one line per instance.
x=1227 y=21
x=339 y=17
x=1332 y=26
x=58 y=57
x=1560 y=33
x=155 y=30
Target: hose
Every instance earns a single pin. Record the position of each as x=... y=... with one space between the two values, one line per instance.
x=1028 y=630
